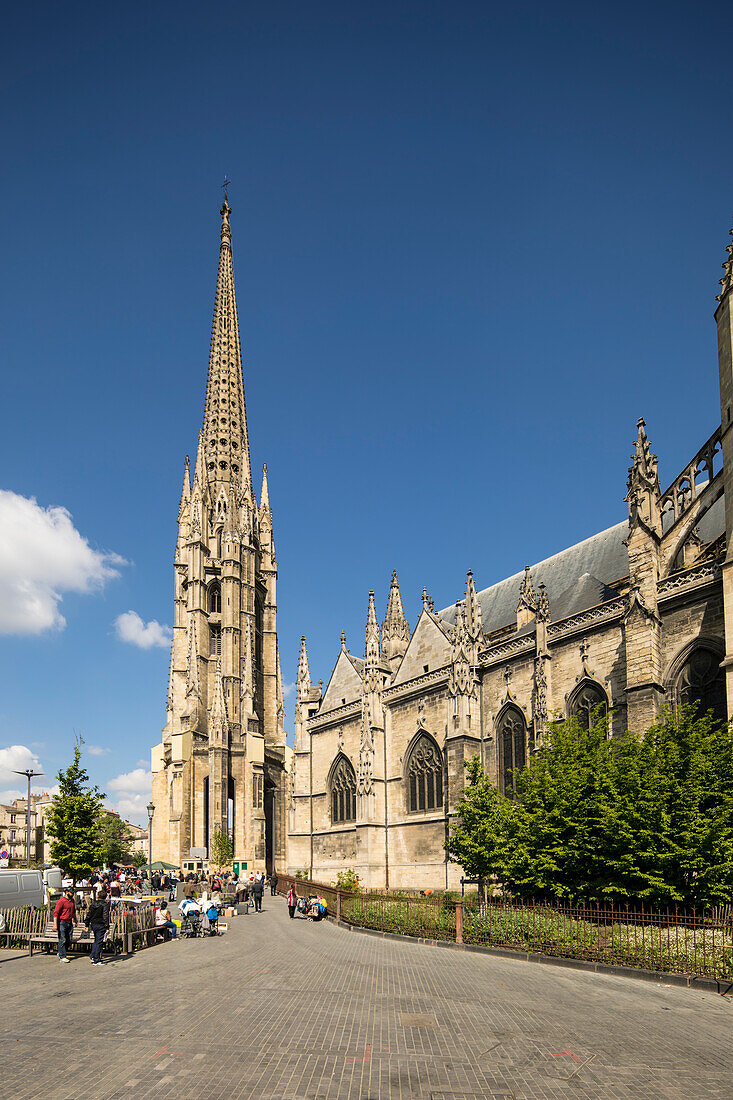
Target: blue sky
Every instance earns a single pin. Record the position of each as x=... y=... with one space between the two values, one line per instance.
x=472 y=245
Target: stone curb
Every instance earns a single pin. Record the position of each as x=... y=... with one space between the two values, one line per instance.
x=690 y=981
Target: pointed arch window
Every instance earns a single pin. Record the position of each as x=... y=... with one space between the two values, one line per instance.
x=424 y=775
x=589 y=699
x=215 y=598
x=214 y=641
x=700 y=681
x=343 y=792
x=512 y=740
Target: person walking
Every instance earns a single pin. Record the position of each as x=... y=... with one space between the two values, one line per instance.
x=273 y=883
x=97 y=920
x=292 y=900
x=63 y=918
x=258 y=890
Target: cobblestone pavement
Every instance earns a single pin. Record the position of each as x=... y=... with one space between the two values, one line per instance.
x=292 y=1010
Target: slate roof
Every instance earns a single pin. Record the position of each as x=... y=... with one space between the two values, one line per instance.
x=577 y=578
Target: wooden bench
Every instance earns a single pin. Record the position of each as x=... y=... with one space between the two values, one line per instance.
x=79 y=935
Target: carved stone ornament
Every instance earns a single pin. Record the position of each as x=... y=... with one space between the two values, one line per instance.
x=539 y=695
x=366 y=754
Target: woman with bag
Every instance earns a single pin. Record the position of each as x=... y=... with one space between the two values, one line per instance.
x=292 y=899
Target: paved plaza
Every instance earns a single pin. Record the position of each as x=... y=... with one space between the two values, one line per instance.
x=292 y=1010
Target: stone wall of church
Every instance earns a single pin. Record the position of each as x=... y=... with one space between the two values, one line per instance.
x=412 y=856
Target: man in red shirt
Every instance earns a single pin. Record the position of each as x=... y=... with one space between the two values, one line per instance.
x=63 y=919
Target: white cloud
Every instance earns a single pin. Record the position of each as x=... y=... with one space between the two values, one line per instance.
x=133 y=808
x=96 y=750
x=17 y=758
x=42 y=556
x=136 y=780
x=131 y=628
x=12 y=786
x=6 y=797
x=288 y=689
x=130 y=794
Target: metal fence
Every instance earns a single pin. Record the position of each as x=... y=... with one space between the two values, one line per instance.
x=670 y=941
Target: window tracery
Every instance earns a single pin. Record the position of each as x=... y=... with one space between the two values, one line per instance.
x=215 y=598
x=585 y=701
x=424 y=775
x=700 y=681
x=343 y=792
x=511 y=738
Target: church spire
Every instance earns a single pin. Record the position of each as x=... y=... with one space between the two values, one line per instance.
x=643 y=494
x=225 y=442
x=218 y=720
x=304 y=674
x=395 y=628
x=727 y=281
x=473 y=611
x=186 y=490
x=265 y=494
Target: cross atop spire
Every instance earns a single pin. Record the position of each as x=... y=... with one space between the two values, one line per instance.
x=225 y=441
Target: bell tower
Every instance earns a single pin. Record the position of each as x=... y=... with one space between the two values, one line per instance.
x=220 y=763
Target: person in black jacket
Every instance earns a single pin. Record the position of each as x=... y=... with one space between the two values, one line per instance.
x=273 y=883
x=97 y=919
x=258 y=890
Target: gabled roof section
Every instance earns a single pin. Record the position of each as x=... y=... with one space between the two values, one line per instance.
x=345 y=682
x=587 y=592
x=429 y=645
x=602 y=556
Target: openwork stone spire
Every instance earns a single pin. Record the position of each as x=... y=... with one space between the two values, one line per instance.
x=527 y=606
x=218 y=721
x=395 y=628
x=727 y=281
x=225 y=440
x=473 y=611
x=304 y=674
x=643 y=482
x=372 y=654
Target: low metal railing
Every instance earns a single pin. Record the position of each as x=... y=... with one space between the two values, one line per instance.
x=669 y=941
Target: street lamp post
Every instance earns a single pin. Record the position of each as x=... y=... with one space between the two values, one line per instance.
x=29 y=774
x=151 y=811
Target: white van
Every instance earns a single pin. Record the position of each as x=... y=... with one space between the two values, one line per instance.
x=20 y=887
x=52 y=878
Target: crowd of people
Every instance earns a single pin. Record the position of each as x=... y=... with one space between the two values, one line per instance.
x=93 y=899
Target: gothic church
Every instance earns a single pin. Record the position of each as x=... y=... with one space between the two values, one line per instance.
x=221 y=761
x=633 y=618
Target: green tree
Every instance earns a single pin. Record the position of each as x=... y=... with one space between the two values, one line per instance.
x=221 y=849
x=478 y=837
x=680 y=800
x=115 y=839
x=572 y=839
x=598 y=820
x=73 y=821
